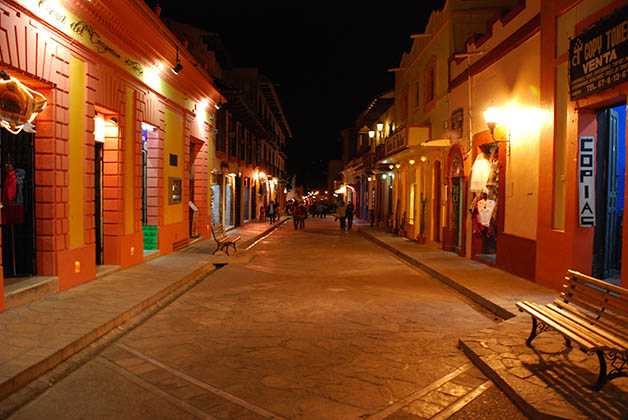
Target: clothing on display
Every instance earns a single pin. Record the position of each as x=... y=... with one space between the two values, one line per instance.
x=13 y=196
x=480 y=173
x=485 y=211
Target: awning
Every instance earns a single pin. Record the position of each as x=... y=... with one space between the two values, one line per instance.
x=437 y=143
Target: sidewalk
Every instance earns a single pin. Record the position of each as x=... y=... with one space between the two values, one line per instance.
x=547 y=382
x=36 y=337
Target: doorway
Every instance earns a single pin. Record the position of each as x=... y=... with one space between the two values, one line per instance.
x=437 y=201
x=98 y=202
x=609 y=193
x=18 y=197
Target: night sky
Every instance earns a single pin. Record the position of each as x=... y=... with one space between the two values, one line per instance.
x=327 y=59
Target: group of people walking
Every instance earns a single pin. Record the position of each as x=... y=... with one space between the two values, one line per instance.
x=344 y=213
x=270 y=210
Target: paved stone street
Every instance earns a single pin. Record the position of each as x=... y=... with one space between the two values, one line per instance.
x=321 y=324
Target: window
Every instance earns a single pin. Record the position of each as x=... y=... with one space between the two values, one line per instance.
x=430 y=80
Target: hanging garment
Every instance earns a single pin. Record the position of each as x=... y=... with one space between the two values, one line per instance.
x=20 y=175
x=485 y=211
x=479 y=174
x=10 y=186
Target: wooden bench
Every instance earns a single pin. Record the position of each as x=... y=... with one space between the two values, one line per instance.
x=223 y=240
x=592 y=314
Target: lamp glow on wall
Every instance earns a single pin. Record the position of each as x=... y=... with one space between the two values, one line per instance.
x=494 y=117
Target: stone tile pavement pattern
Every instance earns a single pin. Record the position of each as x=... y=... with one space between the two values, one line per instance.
x=37 y=336
x=548 y=381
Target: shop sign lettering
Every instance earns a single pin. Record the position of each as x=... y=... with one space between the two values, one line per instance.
x=586 y=181
x=598 y=58
x=83 y=29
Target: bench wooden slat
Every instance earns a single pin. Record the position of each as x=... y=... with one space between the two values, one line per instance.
x=535 y=310
x=612 y=342
x=602 y=323
x=610 y=327
x=576 y=328
x=618 y=304
x=598 y=283
x=597 y=311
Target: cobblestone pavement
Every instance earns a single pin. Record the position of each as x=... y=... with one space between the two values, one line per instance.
x=321 y=324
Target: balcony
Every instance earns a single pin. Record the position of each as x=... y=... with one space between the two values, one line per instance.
x=406 y=137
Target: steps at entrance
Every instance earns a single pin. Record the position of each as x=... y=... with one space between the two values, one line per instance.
x=28 y=290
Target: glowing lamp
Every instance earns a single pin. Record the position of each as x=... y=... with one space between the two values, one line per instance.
x=397 y=165
x=371 y=134
x=380 y=126
x=391 y=166
x=493 y=116
x=411 y=162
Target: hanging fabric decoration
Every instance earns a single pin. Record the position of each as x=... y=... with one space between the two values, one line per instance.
x=479 y=174
x=19 y=105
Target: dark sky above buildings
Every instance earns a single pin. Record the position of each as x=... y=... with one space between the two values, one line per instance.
x=328 y=59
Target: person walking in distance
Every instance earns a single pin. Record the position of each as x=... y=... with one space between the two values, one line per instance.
x=349 y=212
x=302 y=215
x=271 y=212
x=341 y=213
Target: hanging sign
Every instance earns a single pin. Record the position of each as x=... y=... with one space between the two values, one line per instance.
x=19 y=105
x=586 y=181
x=598 y=57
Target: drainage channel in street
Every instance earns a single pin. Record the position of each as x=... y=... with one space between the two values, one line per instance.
x=441 y=399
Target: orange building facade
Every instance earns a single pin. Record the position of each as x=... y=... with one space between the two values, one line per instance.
x=106 y=178
x=566 y=238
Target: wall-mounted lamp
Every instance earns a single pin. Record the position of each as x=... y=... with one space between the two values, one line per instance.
x=411 y=162
x=493 y=117
x=371 y=134
x=397 y=165
x=370 y=179
x=380 y=126
x=423 y=158
x=177 y=67
x=391 y=166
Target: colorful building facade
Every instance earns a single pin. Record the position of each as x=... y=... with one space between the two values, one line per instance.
x=120 y=151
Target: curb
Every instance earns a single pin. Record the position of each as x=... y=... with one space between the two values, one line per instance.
x=259 y=236
x=528 y=409
x=38 y=369
x=35 y=371
x=479 y=299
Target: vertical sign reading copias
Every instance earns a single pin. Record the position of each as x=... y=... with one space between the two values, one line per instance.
x=586 y=181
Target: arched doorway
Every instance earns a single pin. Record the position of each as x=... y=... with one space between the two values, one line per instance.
x=454 y=232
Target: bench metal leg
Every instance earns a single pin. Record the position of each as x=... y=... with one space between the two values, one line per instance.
x=216 y=250
x=618 y=362
x=532 y=333
x=601 y=378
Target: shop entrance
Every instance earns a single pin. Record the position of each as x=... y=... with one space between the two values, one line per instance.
x=609 y=193
x=98 y=202
x=437 y=201
x=18 y=197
